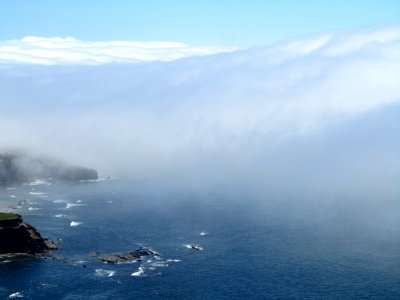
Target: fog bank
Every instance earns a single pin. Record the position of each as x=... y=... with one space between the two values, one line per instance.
x=317 y=114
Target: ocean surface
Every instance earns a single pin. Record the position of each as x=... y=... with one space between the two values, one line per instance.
x=259 y=247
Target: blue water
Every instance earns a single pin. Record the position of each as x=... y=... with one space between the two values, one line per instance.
x=255 y=248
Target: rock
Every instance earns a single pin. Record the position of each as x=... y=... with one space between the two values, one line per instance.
x=134 y=255
x=19 y=238
x=52 y=244
x=20 y=168
x=195 y=247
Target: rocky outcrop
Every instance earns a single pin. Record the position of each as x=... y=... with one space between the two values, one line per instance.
x=18 y=237
x=135 y=255
x=19 y=168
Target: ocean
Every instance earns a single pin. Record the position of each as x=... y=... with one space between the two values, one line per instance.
x=255 y=247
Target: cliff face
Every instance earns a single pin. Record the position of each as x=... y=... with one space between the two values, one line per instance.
x=19 y=168
x=17 y=236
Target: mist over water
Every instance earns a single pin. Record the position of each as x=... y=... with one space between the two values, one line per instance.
x=317 y=113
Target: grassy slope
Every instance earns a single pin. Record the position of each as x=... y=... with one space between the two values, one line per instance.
x=7 y=216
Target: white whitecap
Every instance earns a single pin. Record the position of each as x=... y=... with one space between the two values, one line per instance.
x=39 y=182
x=80 y=262
x=37 y=193
x=16 y=295
x=60 y=216
x=173 y=260
x=69 y=205
x=34 y=208
x=139 y=272
x=73 y=223
x=158 y=264
x=5 y=261
x=204 y=233
x=105 y=273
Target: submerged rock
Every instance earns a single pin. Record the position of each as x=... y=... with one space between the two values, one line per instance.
x=193 y=247
x=20 y=168
x=18 y=238
x=134 y=255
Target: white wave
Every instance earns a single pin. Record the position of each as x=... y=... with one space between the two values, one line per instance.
x=34 y=208
x=173 y=260
x=37 y=193
x=105 y=273
x=16 y=295
x=73 y=223
x=88 y=180
x=69 y=205
x=5 y=261
x=39 y=182
x=203 y=233
x=13 y=196
x=139 y=272
x=80 y=262
x=78 y=201
x=159 y=264
x=60 y=216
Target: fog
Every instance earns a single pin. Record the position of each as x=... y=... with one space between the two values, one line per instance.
x=317 y=114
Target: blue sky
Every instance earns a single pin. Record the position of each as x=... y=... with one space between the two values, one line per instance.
x=205 y=22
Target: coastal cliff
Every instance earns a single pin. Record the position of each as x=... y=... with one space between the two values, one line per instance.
x=18 y=237
x=20 y=168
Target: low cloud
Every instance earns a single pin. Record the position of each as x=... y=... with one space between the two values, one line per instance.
x=65 y=51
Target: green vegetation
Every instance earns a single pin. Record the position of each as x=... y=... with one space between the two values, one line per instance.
x=7 y=216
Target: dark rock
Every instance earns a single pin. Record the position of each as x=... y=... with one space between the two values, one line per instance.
x=52 y=244
x=195 y=247
x=20 y=238
x=134 y=255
